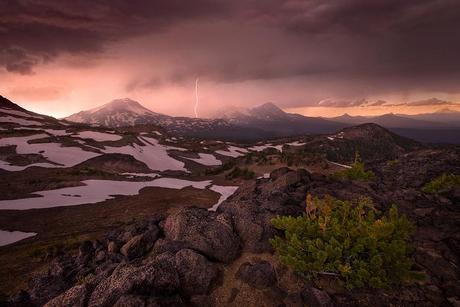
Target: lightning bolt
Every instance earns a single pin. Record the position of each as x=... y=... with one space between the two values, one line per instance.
x=196 y=96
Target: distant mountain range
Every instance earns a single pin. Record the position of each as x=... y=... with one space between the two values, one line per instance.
x=264 y=122
x=269 y=121
x=445 y=118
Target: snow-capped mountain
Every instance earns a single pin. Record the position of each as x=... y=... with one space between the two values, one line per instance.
x=117 y=113
x=264 y=121
x=269 y=117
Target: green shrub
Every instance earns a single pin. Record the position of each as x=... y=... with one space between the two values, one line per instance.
x=356 y=172
x=217 y=170
x=443 y=183
x=392 y=163
x=349 y=240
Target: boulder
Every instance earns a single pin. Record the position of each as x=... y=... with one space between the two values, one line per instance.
x=123 y=279
x=164 y=245
x=74 y=297
x=258 y=275
x=196 y=273
x=316 y=297
x=252 y=224
x=207 y=232
x=130 y=301
x=112 y=247
x=140 y=244
x=60 y=277
x=85 y=252
x=160 y=276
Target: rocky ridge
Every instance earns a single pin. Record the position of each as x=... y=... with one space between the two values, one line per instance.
x=202 y=258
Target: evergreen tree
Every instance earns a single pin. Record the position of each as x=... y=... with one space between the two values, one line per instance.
x=350 y=240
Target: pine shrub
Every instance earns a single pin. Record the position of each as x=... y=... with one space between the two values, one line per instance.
x=443 y=183
x=349 y=240
x=356 y=172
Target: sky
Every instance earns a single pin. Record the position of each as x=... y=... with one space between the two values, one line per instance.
x=315 y=57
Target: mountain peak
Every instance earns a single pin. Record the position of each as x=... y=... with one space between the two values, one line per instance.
x=122 y=105
x=118 y=112
x=268 y=109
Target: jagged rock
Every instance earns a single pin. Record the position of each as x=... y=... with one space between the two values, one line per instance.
x=201 y=301
x=123 y=279
x=259 y=275
x=140 y=244
x=59 y=277
x=275 y=174
x=164 y=245
x=112 y=247
x=162 y=301
x=315 y=297
x=85 y=252
x=100 y=256
x=210 y=233
x=74 y=297
x=161 y=276
x=21 y=299
x=251 y=224
x=196 y=273
x=130 y=301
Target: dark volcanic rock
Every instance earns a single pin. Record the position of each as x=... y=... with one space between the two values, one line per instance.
x=59 y=277
x=130 y=301
x=76 y=297
x=252 y=207
x=315 y=297
x=210 y=233
x=196 y=273
x=140 y=244
x=259 y=275
x=123 y=279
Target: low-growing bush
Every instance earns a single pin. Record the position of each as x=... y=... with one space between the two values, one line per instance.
x=356 y=172
x=349 y=240
x=217 y=170
x=443 y=183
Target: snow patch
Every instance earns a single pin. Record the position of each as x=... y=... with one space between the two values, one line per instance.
x=154 y=155
x=94 y=191
x=262 y=147
x=296 y=143
x=206 y=159
x=55 y=152
x=342 y=165
x=224 y=191
x=9 y=237
x=98 y=136
x=232 y=151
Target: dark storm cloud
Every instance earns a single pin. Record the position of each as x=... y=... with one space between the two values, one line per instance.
x=44 y=29
x=386 y=44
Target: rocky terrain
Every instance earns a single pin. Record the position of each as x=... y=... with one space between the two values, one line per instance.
x=223 y=258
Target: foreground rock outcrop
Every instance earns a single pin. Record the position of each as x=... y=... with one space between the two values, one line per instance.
x=202 y=258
